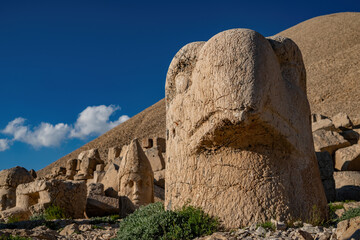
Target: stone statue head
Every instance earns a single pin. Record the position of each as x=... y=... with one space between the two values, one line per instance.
x=136 y=179
x=238 y=130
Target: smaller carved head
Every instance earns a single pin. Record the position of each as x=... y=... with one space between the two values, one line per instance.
x=136 y=178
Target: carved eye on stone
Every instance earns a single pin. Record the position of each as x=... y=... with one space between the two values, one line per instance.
x=178 y=78
x=129 y=184
x=181 y=83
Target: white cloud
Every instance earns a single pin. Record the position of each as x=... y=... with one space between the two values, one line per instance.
x=92 y=121
x=4 y=144
x=95 y=121
x=44 y=135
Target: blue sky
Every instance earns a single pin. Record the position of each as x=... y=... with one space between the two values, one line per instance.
x=71 y=70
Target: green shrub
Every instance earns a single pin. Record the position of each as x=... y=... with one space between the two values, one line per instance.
x=37 y=217
x=351 y=213
x=267 y=225
x=97 y=227
x=13 y=219
x=107 y=219
x=153 y=222
x=54 y=212
x=335 y=206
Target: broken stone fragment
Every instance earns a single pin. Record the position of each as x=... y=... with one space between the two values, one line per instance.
x=98 y=204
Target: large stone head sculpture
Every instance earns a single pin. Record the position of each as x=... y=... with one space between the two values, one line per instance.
x=136 y=179
x=239 y=140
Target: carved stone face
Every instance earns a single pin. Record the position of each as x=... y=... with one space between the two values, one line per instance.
x=137 y=187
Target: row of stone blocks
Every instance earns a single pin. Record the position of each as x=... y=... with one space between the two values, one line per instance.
x=336 y=141
x=100 y=193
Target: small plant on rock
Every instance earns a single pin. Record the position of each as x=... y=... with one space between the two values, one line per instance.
x=107 y=219
x=267 y=225
x=54 y=212
x=13 y=219
x=351 y=213
x=37 y=217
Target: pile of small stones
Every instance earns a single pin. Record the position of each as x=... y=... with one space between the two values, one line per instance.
x=67 y=229
x=306 y=232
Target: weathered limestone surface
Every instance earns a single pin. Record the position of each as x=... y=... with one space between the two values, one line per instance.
x=348 y=159
x=14 y=176
x=156 y=158
x=329 y=141
x=111 y=180
x=239 y=140
x=341 y=120
x=348 y=229
x=36 y=196
x=325 y=124
x=9 y=180
x=136 y=179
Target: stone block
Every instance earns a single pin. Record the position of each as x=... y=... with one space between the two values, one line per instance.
x=113 y=153
x=111 y=180
x=36 y=196
x=329 y=141
x=348 y=159
x=100 y=205
x=155 y=156
x=324 y=124
x=95 y=189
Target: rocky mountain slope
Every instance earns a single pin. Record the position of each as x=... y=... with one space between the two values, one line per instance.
x=330 y=46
